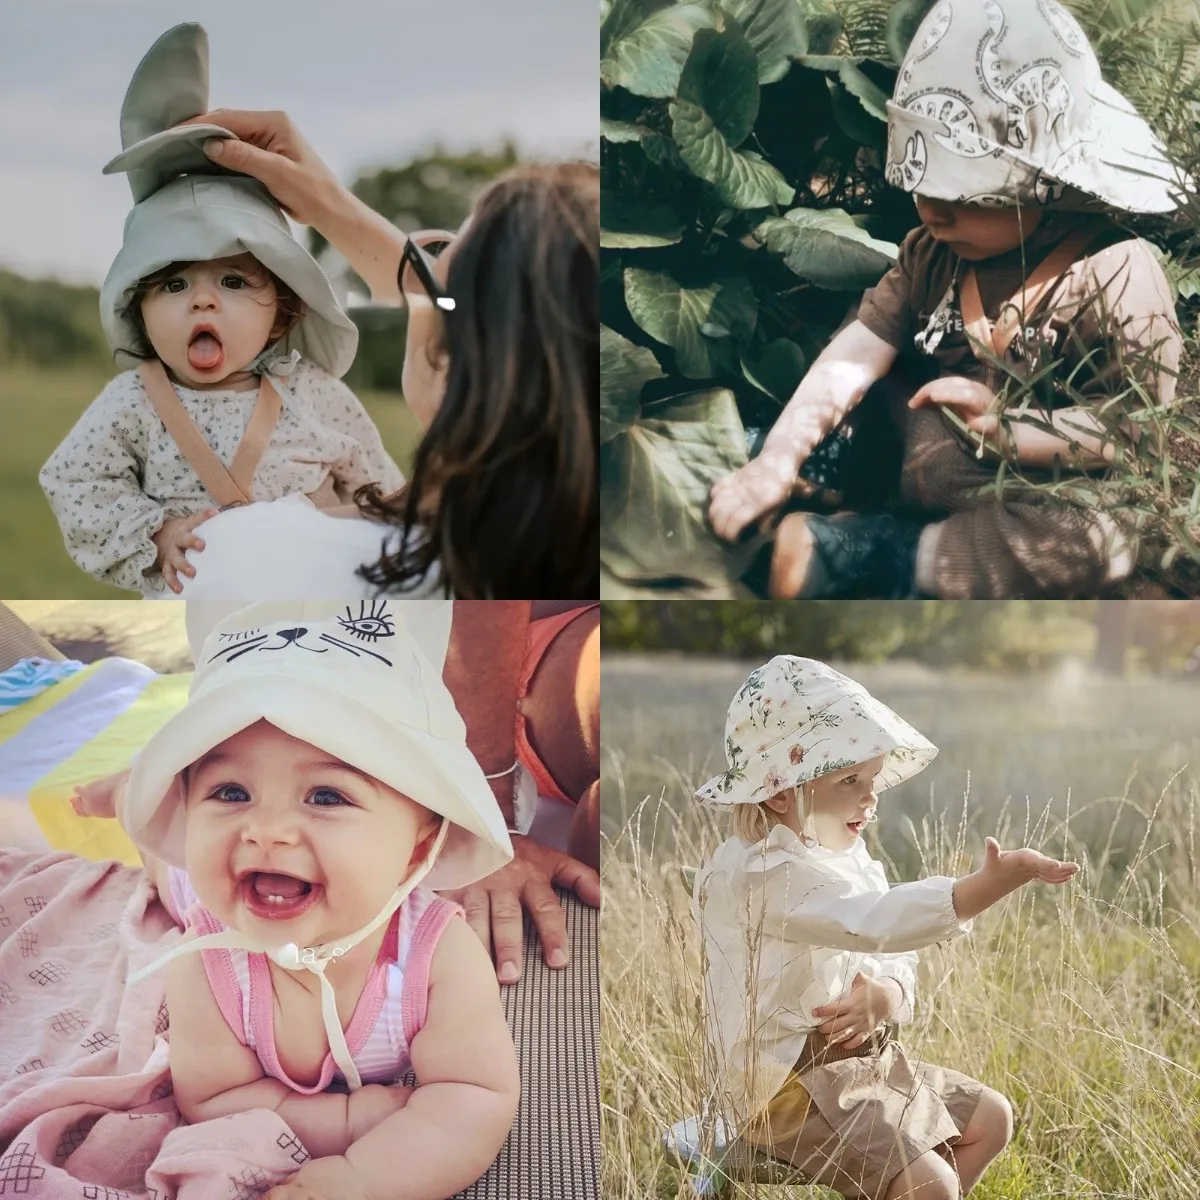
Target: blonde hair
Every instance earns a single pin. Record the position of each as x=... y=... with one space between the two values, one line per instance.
x=753 y=822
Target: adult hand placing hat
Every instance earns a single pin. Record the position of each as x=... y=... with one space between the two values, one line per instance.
x=272 y=150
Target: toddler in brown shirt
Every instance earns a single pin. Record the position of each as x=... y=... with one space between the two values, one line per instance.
x=1016 y=152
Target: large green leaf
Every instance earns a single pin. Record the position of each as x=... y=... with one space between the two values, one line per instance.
x=853 y=120
x=693 y=321
x=627 y=223
x=644 y=44
x=874 y=99
x=824 y=29
x=619 y=131
x=655 y=481
x=715 y=112
x=624 y=370
x=777 y=370
x=776 y=30
x=826 y=247
x=721 y=77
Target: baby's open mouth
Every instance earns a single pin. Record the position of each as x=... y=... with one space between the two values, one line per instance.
x=205 y=352
x=855 y=826
x=276 y=896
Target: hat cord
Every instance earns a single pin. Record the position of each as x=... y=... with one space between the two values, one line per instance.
x=313 y=958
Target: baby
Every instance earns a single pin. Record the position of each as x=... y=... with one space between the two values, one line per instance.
x=808 y=953
x=240 y=341
x=293 y=817
x=1017 y=156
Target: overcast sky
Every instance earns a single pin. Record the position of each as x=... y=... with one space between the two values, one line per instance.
x=368 y=83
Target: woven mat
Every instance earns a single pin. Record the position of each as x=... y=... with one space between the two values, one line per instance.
x=552 y=1152
x=18 y=641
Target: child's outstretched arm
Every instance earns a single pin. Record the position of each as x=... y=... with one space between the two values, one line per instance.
x=835 y=383
x=1004 y=871
x=797 y=902
x=453 y=1126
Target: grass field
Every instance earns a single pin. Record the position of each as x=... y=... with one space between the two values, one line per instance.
x=40 y=406
x=1082 y=1005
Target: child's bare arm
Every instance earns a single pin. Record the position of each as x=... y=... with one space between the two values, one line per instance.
x=835 y=383
x=454 y=1124
x=214 y=1075
x=1004 y=871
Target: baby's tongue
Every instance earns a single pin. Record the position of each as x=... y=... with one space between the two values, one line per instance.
x=267 y=884
x=205 y=352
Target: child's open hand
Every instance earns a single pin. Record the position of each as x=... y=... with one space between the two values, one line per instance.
x=331 y=1178
x=857 y=1013
x=172 y=540
x=1025 y=865
x=750 y=492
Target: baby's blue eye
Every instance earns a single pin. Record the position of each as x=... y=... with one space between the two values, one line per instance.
x=232 y=792
x=327 y=798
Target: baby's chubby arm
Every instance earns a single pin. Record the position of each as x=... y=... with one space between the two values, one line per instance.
x=454 y=1124
x=215 y=1075
x=836 y=382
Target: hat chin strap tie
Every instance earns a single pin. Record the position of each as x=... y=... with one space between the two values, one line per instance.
x=312 y=958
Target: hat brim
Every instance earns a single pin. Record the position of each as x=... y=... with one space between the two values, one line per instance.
x=439 y=775
x=864 y=722
x=1122 y=166
x=200 y=218
x=172 y=151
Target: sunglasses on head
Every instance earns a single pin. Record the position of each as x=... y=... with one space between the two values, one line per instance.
x=415 y=276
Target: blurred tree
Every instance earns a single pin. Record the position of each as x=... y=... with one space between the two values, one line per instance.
x=1112 y=636
x=433 y=191
x=49 y=323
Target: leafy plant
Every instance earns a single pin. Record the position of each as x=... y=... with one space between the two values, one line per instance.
x=744 y=210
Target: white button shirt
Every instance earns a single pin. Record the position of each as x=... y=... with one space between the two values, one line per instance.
x=785 y=927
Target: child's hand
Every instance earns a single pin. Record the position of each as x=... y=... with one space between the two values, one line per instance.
x=372 y=1104
x=759 y=487
x=330 y=1178
x=973 y=403
x=172 y=540
x=1017 y=867
x=857 y=1013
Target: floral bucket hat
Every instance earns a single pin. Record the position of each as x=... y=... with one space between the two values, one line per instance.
x=1000 y=103
x=796 y=719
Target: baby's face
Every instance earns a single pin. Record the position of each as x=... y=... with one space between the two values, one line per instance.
x=209 y=321
x=269 y=815
x=840 y=802
x=977 y=233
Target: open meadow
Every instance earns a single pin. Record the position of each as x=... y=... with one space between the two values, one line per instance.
x=1082 y=1004
x=41 y=405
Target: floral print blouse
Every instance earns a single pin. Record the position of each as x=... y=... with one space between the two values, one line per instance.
x=118 y=474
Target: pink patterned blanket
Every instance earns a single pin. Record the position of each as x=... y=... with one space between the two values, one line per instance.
x=86 y=1111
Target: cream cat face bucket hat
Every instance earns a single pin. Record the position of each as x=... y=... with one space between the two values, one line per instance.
x=186 y=208
x=795 y=719
x=1000 y=103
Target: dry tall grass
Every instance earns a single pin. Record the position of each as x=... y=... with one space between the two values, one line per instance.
x=1081 y=1004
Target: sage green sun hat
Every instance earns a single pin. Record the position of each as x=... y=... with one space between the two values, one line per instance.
x=188 y=209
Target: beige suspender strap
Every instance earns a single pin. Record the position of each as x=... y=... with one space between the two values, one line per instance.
x=226 y=486
x=1024 y=304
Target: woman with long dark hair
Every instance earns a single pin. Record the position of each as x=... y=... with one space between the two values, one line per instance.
x=501 y=366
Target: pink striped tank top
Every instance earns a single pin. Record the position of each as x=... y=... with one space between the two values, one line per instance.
x=389 y=1014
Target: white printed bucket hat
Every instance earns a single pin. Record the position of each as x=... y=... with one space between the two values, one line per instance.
x=796 y=719
x=349 y=679
x=188 y=209
x=1001 y=102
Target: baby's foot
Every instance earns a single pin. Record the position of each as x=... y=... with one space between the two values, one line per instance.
x=98 y=797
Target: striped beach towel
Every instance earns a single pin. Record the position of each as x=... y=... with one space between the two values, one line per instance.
x=82 y=728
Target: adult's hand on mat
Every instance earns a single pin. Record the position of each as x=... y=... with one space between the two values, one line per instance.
x=331 y=1178
x=274 y=152
x=494 y=905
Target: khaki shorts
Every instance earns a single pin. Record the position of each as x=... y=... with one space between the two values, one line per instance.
x=853 y=1124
